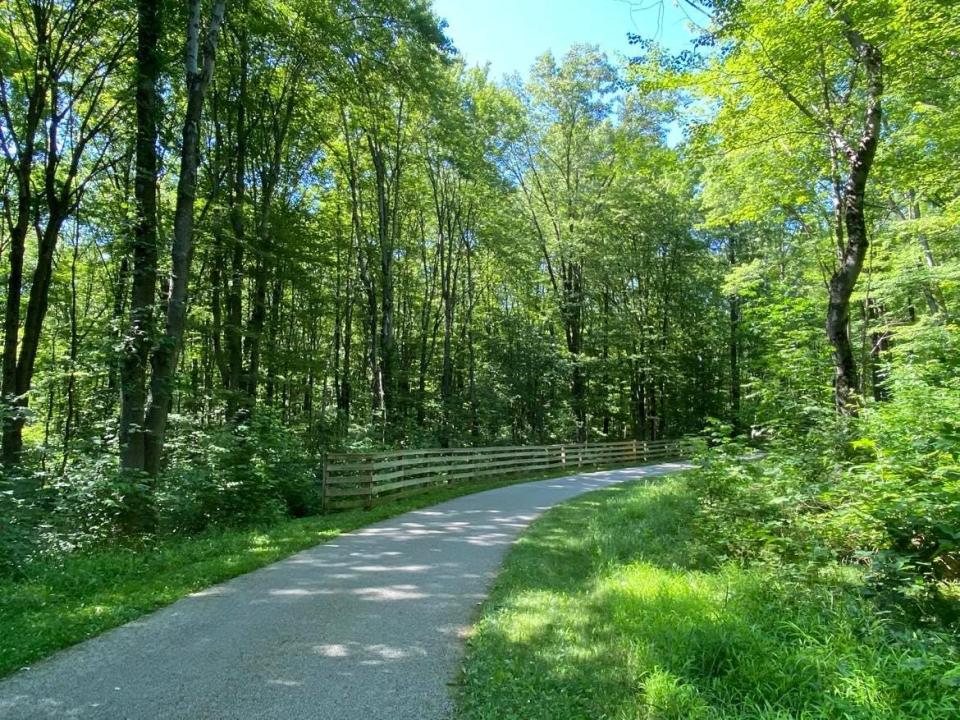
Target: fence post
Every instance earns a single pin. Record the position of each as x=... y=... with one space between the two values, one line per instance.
x=323 y=482
x=563 y=456
x=369 y=503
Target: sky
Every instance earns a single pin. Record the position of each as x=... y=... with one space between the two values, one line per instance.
x=511 y=34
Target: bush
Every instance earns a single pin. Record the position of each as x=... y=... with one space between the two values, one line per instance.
x=884 y=502
x=256 y=473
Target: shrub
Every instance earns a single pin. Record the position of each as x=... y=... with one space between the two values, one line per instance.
x=254 y=473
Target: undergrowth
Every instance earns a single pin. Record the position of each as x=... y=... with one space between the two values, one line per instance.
x=619 y=605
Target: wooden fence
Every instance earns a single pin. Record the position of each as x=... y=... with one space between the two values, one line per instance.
x=352 y=480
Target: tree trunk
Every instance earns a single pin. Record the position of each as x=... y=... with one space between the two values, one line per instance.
x=879 y=344
x=638 y=384
x=345 y=396
x=12 y=410
x=471 y=348
x=734 y=344
x=376 y=377
x=572 y=312
x=71 y=412
x=276 y=302
x=427 y=338
x=140 y=330
x=166 y=354
x=932 y=291
x=58 y=209
x=255 y=328
x=844 y=279
x=384 y=236
x=233 y=335
x=337 y=317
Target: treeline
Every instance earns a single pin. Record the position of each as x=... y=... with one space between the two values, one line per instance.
x=237 y=234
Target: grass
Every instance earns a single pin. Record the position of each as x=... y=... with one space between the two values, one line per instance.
x=608 y=609
x=55 y=604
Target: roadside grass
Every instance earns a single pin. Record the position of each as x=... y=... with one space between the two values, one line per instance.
x=607 y=609
x=57 y=603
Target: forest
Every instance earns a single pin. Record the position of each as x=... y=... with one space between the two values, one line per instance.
x=213 y=274
x=239 y=234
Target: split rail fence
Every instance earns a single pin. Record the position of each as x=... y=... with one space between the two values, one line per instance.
x=350 y=480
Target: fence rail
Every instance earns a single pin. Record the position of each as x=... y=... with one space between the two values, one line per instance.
x=350 y=480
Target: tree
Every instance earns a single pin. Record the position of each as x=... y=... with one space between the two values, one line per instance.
x=563 y=168
x=139 y=335
x=824 y=66
x=144 y=427
x=58 y=102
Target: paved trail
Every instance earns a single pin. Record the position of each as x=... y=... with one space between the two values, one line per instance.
x=365 y=627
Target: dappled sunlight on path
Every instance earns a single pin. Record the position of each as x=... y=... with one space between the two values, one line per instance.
x=367 y=626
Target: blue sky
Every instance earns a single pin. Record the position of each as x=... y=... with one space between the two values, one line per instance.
x=510 y=34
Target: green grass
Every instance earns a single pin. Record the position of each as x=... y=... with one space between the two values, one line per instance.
x=55 y=604
x=607 y=608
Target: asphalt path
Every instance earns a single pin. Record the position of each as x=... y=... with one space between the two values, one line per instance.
x=368 y=626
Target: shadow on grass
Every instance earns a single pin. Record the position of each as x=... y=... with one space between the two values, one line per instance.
x=370 y=620
x=607 y=608
x=58 y=602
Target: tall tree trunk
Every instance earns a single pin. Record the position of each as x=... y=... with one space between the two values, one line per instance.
x=932 y=291
x=265 y=261
x=605 y=357
x=71 y=411
x=638 y=385
x=12 y=407
x=572 y=312
x=448 y=222
x=376 y=378
x=844 y=279
x=446 y=375
x=385 y=238
x=12 y=443
x=471 y=348
x=276 y=303
x=140 y=330
x=879 y=344
x=427 y=338
x=337 y=315
x=366 y=279
x=37 y=305
x=345 y=395
x=233 y=335
x=166 y=354
x=219 y=285
x=117 y=315
x=255 y=328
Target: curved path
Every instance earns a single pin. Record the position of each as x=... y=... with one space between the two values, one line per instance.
x=367 y=626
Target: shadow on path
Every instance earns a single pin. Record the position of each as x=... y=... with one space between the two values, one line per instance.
x=367 y=626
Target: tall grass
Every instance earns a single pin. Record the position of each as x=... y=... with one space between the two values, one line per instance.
x=610 y=607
